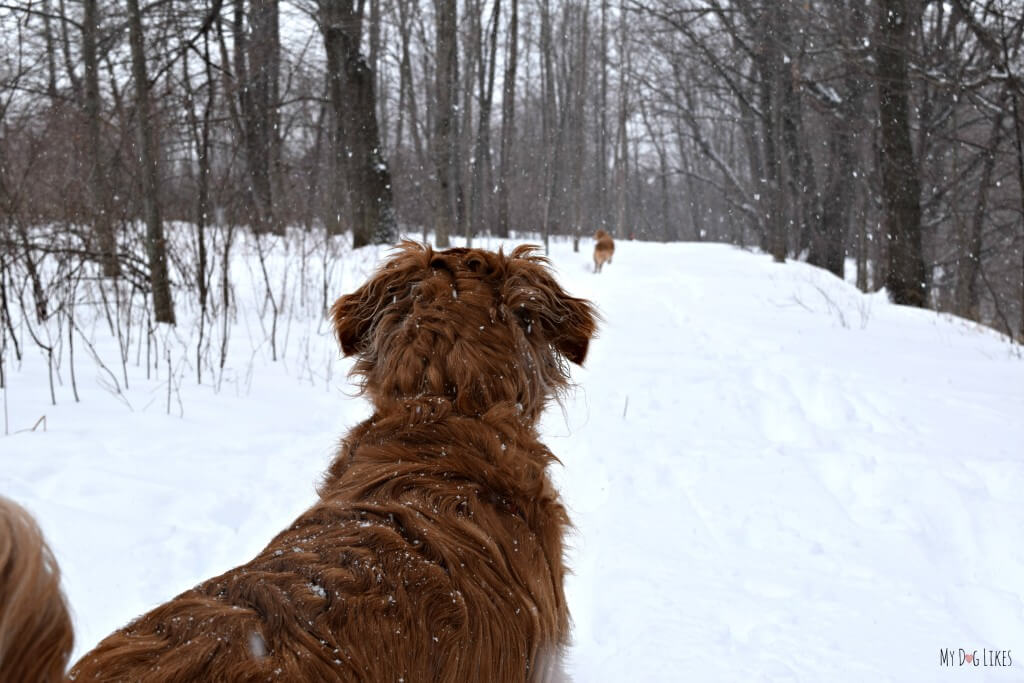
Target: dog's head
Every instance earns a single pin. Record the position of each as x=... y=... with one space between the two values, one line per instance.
x=600 y=234
x=471 y=326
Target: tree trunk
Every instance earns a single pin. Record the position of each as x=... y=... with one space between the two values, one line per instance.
x=621 y=143
x=1019 y=149
x=103 y=225
x=69 y=62
x=749 y=122
x=551 y=130
x=163 y=305
x=482 y=152
x=258 y=58
x=508 y=115
x=374 y=63
x=840 y=195
x=775 y=143
x=444 y=139
x=901 y=184
x=466 y=71
x=357 y=138
x=201 y=130
x=798 y=168
x=577 y=123
x=969 y=259
x=601 y=153
x=51 y=53
x=827 y=248
x=407 y=89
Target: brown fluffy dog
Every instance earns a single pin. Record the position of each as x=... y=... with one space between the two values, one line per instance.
x=604 y=249
x=434 y=552
x=35 y=629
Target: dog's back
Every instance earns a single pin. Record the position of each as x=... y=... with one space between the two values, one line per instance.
x=604 y=249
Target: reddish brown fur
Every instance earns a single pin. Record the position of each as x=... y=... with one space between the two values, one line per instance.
x=604 y=249
x=435 y=550
x=35 y=629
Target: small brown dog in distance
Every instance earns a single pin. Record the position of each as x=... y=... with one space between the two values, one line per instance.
x=434 y=552
x=604 y=249
x=35 y=629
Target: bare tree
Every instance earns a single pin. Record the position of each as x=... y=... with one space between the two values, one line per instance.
x=621 y=140
x=357 y=140
x=508 y=117
x=102 y=218
x=481 y=163
x=901 y=186
x=201 y=125
x=257 y=65
x=445 y=135
x=148 y=149
x=576 y=121
x=900 y=143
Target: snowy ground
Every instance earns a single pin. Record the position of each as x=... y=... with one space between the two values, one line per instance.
x=773 y=477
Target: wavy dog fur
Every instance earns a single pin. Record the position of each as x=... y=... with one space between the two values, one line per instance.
x=434 y=552
x=35 y=629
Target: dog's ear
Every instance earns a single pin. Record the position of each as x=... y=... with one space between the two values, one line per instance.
x=543 y=307
x=355 y=315
x=351 y=319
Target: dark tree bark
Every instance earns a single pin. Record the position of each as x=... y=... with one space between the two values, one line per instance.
x=357 y=152
x=578 y=84
x=508 y=116
x=103 y=224
x=468 y=67
x=601 y=153
x=163 y=304
x=798 y=169
x=482 y=152
x=1018 y=149
x=374 y=64
x=552 y=132
x=749 y=122
x=901 y=184
x=69 y=61
x=846 y=123
x=770 y=33
x=776 y=236
x=258 y=69
x=778 y=113
x=51 y=53
x=1019 y=154
x=969 y=260
x=827 y=246
x=201 y=140
x=444 y=139
x=621 y=141
x=407 y=89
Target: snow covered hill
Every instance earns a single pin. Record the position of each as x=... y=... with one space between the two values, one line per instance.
x=773 y=477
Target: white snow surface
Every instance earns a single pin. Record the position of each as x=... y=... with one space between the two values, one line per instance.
x=773 y=477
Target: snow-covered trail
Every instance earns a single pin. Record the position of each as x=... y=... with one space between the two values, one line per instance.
x=773 y=477
x=805 y=484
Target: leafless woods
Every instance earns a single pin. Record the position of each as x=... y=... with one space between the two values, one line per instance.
x=138 y=140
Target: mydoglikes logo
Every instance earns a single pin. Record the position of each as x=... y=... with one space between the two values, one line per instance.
x=962 y=657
